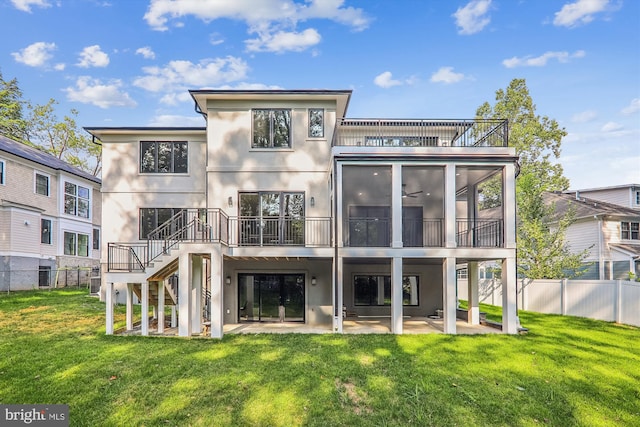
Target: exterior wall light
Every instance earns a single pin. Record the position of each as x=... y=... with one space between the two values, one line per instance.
x=313 y=280
x=230 y=201
x=228 y=280
x=312 y=202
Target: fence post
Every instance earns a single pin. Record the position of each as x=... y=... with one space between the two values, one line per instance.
x=563 y=297
x=618 y=307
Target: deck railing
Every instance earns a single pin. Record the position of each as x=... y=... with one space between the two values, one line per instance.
x=421 y=133
x=280 y=231
x=477 y=233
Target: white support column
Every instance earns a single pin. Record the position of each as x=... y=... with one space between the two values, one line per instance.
x=338 y=298
x=129 y=315
x=144 y=321
x=509 y=205
x=396 y=205
x=449 y=293
x=174 y=317
x=473 y=303
x=396 y=295
x=184 y=295
x=108 y=298
x=161 y=306
x=510 y=321
x=217 y=294
x=450 y=206
x=196 y=294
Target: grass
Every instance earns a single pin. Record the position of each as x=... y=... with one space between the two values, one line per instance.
x=564 y=372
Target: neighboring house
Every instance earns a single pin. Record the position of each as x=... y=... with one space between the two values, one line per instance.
x=609 y=231
x=623 y=195
x=49 y=217
x=282 y=210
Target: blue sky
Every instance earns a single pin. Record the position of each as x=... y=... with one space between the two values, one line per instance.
x=132 y=62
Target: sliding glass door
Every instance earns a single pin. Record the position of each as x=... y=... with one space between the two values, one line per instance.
x=271 y=218
x=271 y=297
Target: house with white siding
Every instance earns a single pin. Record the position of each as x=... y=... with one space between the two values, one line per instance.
x=610 y=232
x=280 y=209
x=50 y=214
x=624 y=195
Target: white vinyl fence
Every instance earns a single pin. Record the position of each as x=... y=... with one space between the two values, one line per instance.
x=609 y=300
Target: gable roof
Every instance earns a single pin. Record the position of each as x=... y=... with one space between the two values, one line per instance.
x=585 y=208
x=40 y=157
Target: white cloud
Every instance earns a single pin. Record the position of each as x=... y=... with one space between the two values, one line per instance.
x=446 y=75
x=385 y=80
x=146 y=52
x=473 y=17
x=215 y=39
x=611 y=127
x=93 y=91
x=283 y=41
x=633 y=107
x=93 y=56
x=540 y=61
x=584 y=116
x=579 y=12
x=274 y=21
x=25 y=5
x=182 y=75
x=252 y=12
x=168 y=120
x=35 y=55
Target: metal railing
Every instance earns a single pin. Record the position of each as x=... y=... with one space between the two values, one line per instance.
x=421 y=133
x=126 y=256
x=280 y=231
x=477 y=233
x=422 y=233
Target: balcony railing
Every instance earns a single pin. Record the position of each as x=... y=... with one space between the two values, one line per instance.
x=421 y=133
x=280 y=231
x=479 y=233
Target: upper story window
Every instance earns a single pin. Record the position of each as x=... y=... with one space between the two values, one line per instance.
x=630 y=230
x=316 y=123
x=76 y=200
x=42 y=184
x=163 y=157
x=271 y=129
x=2 y=172
x=152 y=218
x=637 y=197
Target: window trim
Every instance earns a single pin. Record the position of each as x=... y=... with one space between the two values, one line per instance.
x=77 y=198
x=76 y=248
x=3 y=172
x=637 y=197
x=632 y=230
x=270 y=145
x=322 y=135
x=50 y=231
x=173 y=162
x=35 y=183
x=95 y=242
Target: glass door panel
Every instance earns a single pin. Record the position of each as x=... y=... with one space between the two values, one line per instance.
x=271 y=297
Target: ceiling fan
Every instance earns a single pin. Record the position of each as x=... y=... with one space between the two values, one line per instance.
x=413 y=194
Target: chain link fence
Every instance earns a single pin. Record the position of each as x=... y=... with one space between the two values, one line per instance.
x=47 y=278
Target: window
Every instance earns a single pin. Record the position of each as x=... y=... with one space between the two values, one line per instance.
x=42 y=184
x=2 y=172
x=96 y=238
x=76 y=200
x=316 y=123
x=76 y=244
x=271 y=129
x=376 y=290
x=369 y=226
x=630 y=230
x=637 y=198
x=163 y=157
x=151 y=218
x=271 y=218
x=45 y=231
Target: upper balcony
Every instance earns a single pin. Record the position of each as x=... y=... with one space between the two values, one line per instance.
x=421 y=133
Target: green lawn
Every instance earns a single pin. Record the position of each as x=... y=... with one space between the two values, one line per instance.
x=564 y=372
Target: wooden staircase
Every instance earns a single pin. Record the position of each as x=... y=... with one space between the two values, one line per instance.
x=170 y=298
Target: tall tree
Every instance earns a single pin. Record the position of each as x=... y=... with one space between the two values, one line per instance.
x=542 y=250
x=12 y=123
x=62 y=138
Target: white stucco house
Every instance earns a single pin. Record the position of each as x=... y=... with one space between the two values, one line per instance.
x=50 y=214
x=281 y=209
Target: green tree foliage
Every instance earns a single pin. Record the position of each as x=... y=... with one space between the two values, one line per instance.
x=12 y=123
x=43 y=130
x=542 y=250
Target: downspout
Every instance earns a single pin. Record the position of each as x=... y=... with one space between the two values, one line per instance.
x=600 y=244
